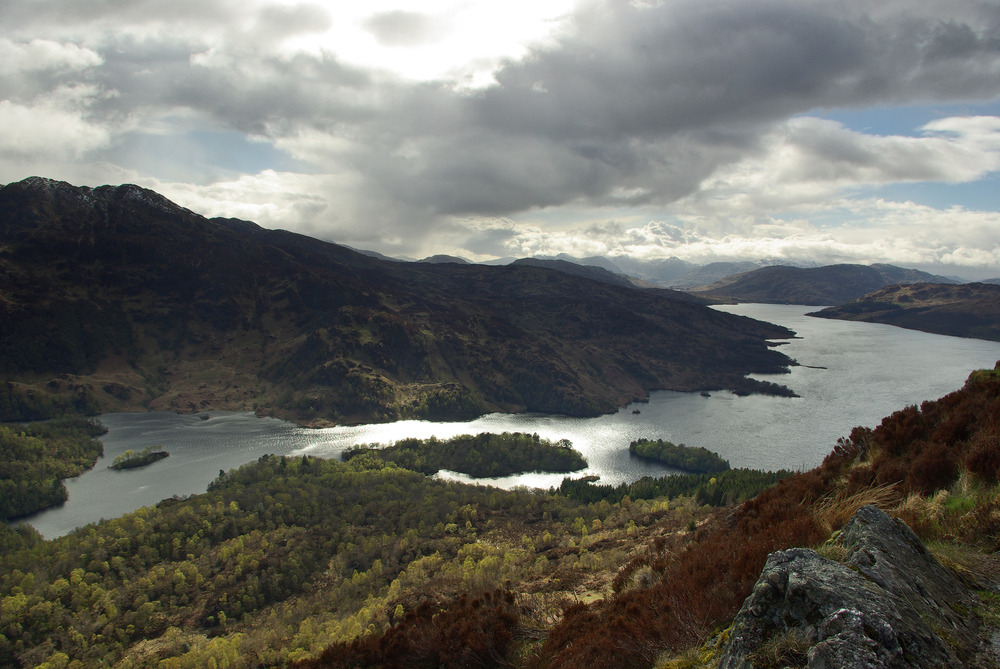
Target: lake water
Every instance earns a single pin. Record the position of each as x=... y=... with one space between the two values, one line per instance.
x=850 y=374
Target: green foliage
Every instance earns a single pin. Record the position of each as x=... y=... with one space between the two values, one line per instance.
x=985 y=375
x=479 y=456
x=694 y=459
x=270 y=545
x=131 y=459
x=729 y=487
x=35 y=458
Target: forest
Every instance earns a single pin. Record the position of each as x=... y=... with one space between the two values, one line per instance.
x=35 y=458
x=482 y=455
x=722 y=489
x=693 y=459
x=285 y=556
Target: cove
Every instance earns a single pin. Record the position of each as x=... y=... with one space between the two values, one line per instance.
x=849 y=374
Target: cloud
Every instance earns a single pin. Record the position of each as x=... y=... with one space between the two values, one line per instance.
x=53 y=126
x=641 y=106
x=40 y=55
x=403 y=28
x=873 y=231
x=700 y=114
x=808 y=160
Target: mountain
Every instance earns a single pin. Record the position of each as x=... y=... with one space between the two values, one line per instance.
x=115 y=298
x=380 y=256
x=966 y=310
x=441 y=258
x=597 y=273
x=589 y=261
x=660 y=272
x=832 y=284
x=712 y=272
x=593 y=272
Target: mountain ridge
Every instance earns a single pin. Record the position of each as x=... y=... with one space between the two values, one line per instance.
x=820 y=286
x=965 y=310
x=116 y=298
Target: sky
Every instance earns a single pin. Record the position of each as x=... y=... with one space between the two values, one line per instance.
x=822 y=131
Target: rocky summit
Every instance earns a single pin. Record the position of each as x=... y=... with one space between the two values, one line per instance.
x=890 y=603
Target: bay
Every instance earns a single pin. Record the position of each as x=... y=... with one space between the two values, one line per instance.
x=849 y=374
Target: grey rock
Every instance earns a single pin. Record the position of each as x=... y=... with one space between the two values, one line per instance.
x=890 y=604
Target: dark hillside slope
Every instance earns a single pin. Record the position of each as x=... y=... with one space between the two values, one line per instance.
x=587 y=271
x=833 y=284
x=115 y=298
x=966 y=310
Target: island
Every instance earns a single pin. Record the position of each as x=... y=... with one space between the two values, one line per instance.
x=132 y=459
x=479 y=456
x=694 y=459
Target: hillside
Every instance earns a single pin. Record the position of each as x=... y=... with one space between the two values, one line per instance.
x=832 y=284
x=966 y=310
x=713 y=272
x=587 y=271
x=115 y=298
x=597 y=273
x=328 y=564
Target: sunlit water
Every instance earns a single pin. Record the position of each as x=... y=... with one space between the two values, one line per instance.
x=850 y=374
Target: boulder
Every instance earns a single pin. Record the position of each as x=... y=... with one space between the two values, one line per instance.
x=889 y=604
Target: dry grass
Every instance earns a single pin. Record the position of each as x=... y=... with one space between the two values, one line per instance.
x=782 y=650
x=977 y=570
x=834 y=510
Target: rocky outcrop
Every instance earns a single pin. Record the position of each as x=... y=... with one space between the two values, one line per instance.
x=889 y=604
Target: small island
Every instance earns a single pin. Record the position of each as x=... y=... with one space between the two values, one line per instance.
x=132 y=459
x=694 y=459
x=479 y=456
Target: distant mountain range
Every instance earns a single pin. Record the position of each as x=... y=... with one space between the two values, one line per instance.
x=830 y=285
x=966 y=310
x=115 y=298
x=666 y=272
x=764 y=280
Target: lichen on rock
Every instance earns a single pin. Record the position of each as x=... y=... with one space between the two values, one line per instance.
x=889 y=604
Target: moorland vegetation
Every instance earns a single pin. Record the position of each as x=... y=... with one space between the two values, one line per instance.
x=831 y=284
x=966 y=310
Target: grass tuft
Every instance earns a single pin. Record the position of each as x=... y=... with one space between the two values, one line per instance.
x=834 y=510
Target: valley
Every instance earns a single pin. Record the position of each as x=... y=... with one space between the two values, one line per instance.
x=115 y=299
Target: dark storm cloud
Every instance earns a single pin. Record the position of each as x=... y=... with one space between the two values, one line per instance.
x=642 y=73
x=631 y=105
x=44 y=14
x=650 y=101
